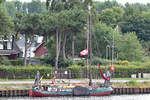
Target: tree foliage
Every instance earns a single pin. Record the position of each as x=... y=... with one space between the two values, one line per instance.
x=6 y=23
x=64 y=26
x=1 y=1
x=112 y=16
x=130 y=48
x=100 y=6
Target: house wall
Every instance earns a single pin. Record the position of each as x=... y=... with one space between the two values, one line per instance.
x=30 y=51
x=40 y=50
x=12 y=57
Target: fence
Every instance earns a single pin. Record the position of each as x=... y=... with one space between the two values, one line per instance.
x=68 y=74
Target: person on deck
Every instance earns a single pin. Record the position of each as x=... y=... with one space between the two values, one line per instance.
x=53 y=80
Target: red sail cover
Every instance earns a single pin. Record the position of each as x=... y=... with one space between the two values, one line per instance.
x=84 y=52
x=104 y=77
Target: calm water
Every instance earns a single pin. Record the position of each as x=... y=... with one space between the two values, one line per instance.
x=113 y=97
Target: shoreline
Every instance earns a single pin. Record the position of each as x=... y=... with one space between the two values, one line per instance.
x=27 y=84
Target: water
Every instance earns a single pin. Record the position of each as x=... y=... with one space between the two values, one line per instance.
x=112 y=97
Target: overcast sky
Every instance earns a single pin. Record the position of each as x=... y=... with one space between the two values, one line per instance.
x=120 y=1
x=130 y=1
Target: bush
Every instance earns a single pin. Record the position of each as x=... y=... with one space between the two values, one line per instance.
x=125 y=62
x=16 y=62
x=46 y=61
x=4 y=60
x=146 y=65
x=97 y=60
x=133 y=83
x=75 y=71
x=136 y=63
x=68 y=62
x=65 y=63
x=81 y=62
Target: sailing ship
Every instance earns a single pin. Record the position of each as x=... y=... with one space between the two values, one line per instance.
x=53 y=90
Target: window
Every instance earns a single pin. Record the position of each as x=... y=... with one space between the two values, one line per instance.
x=1 y=45
x=6 y=42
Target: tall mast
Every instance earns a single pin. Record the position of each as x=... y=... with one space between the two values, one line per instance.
x=90 y=43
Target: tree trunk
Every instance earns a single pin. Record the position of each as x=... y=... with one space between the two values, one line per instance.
x=25 y=53
x=58 y=42
x=73 y=38
x=56 y=62
x=64 y=47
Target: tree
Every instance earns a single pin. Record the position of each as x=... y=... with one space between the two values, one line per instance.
x=64 y=23
x=100 y=6
x=35 y=6
x=6 y=23
x=29 y=25
x=58 y=24
x=77 y=26
x=103 y=36
x=112 y=16
x=139 y=23
x=18 y=5
x=1 y=1
x=130 y=48
x=146 y=47
x=11 y=9
x=137 y=6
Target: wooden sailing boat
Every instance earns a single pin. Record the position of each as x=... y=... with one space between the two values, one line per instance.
x=52 y=90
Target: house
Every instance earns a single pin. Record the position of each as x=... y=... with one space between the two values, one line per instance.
x=9 y=48
x=30 y=50
x=21 y=44
x=41 y=51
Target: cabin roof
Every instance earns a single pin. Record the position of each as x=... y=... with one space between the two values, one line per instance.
x=38 y=46
x=15 y=50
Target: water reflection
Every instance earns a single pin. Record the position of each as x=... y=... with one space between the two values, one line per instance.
x=112 y=97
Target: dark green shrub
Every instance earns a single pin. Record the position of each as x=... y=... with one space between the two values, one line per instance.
x=26 y=72
x=4 y=60
x=75 y=71
x=68 y=62
x=65 y=63
x=47 y=61
x=81 y=62
x=16 y=62
x=132 y=83
x=97 y=60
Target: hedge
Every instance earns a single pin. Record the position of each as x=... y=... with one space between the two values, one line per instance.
x=16 y=62
x=77 y=71
x=121 y=71
x=25 y=72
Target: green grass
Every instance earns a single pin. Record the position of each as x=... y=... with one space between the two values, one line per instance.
x=16 y=79
x=72 y=79
x=128 y=78
x=15 y=86
x=131 y=84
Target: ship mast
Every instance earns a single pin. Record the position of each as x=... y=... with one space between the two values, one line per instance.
x=90 y=44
